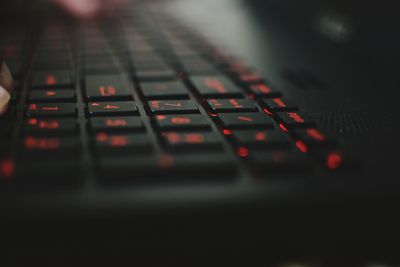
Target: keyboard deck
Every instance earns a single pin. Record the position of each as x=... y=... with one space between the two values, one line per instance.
x=145 y=99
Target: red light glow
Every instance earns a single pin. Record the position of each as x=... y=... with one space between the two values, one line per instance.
x=267 y=111
x=333 y=161
x=243 y=152
x=7 y=168
x=283 y=128
x=226 y=132
x=301 y=146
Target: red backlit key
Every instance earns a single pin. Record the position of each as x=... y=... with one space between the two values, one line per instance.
x=108 y=143
x=295 y=120
x=263 y=90
x=278 y=104
x=261 y=138
x=245 y=120
x=50 y=126
x=164 y=90
x=59 y=95
x=112 y=108
x=172 y=107
x=195 y=140
x=216 y=87
x=51 y=110
x=280 y=161
x=313 y=138
x=231 y=105
x=32 y=144
x=116 y=124
x=249 y=77
x=196 y=121
x=57 y=78
x=107 y=87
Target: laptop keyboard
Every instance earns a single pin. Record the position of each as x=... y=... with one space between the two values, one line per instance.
x=145 y=99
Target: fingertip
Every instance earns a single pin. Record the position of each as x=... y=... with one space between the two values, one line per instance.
x=6 y=80
x=4 y=98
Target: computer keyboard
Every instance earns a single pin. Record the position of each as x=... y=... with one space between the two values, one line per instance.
x=146 y=99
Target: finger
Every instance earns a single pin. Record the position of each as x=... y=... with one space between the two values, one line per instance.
x=6 y=85
x=6 y=80
x=4 y=98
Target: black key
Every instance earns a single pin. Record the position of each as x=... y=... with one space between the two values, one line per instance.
x=295 y=120
x=107 y=87
x=164 y=90
x=250 y=77
x=278 y=104
x=50 y=126
x=216 y=87
x=51 y=110
x=56 y=78
x=245 y=120
x=172 y=106
x=231 y=105
x=196 y=121
x=280 y=161
x=109 y=143
x=261 y=138
x=50 y=145
x=313 y=138
x=156 y=75
x=263 y=90
x=191 y=140
x=60 y=95
x=116 y=124
x=198 y=66
x=155 y=72
x=45 y=173
x=214 y=166
x=203 y=167
x=135 y=168
x=112 y=108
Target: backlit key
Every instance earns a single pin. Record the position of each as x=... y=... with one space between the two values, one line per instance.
x=195 y=140
x=278 y=104
x=107 y=87
x=263 y=90
x=108 y=143
x=112 y=108
x=181 y=122
x=313 y=138
x=164 y=90
x=216 y=87
x=231 y=105
x=261 y=138
x=51 y=110
x=245 y=120
x=56 y=78
x=295 y=120
x=32 y=144
x=281 y=161
x=116 y=124
x=172 y=107
x=42 y=126
x=59 y=95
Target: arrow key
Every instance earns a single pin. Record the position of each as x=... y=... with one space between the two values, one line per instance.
x=114 y=108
